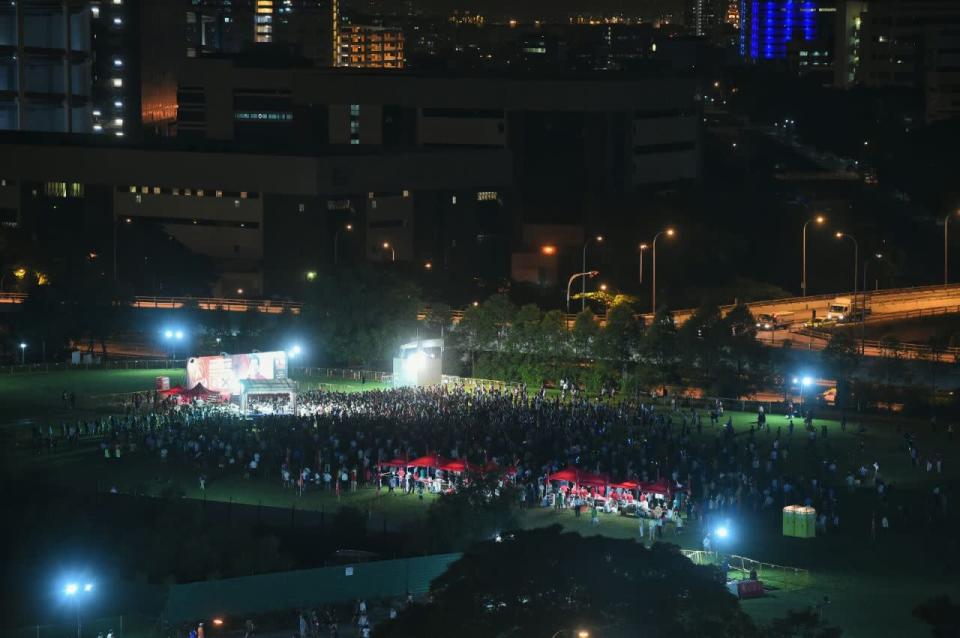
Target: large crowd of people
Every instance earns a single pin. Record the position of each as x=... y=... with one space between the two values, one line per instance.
x=338 y=442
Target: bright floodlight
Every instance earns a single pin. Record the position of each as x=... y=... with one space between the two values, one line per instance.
x=807 y=381
x=294 y=351
x=583 y=634
x=722 y=532
x=168 y=334
x=23 y=346
x=418 y=360
x=796 y=380
x=88 y=587
x=71 y=589
x=179 y=334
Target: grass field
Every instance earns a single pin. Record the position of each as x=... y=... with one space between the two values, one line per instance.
x=872 y=585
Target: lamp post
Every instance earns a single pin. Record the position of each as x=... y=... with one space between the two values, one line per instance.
x=856 y=259
x=653 y=287
x=946 y=245
x=643 y=247
x=74 y=591
x=803 y=281
x=583 y=290
x=336 y=241
x=173 y=336
x=863 y=304
x=592 y=273
x=393 y=253
x=581 y=633
x=23 y=353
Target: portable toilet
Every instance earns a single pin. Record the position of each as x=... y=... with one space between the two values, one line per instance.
x=790 y=520
x=806 y=522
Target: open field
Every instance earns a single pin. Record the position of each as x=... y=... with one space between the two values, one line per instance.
x=36 y=398
x=872 y=585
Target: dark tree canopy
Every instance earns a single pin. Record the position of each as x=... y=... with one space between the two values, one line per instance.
x=537 y=582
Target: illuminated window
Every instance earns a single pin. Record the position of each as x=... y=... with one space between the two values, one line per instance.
x=406 y=193
x=156 y=190
x=144 y=189
x=117 y=83
x=55 y=189
x=243 y=194
x=133 y=189
x=453 y=200
x=76 y=190
x=199 y=193
x=487 y=196
x=187 y=192
x=219 y=193
x=175 y=191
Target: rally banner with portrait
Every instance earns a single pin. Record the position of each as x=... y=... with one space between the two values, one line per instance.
x=226 y=373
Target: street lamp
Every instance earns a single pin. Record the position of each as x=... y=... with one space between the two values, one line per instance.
x=336 y=241
x=643 y=247
x=311 y=275
x=946 y=245
x=548 y=249
x=73 y=592
x=173 y=336
x=393 y=253
x=669 y=232
x=581 y=633
x=856 y=258
x=583 y=290
x=592 y=273
x=428 y=265
x=819 y=219
x=23 y=353
x=863 y=304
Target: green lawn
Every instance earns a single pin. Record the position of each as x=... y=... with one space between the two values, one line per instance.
x=35 y=398
x=872 y=585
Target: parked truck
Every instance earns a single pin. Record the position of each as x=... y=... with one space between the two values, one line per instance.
x=846 y=309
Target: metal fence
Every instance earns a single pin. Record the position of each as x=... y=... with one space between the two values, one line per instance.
x=124 y=626
x=347 y=374
x=744 y=564
x=113 y=364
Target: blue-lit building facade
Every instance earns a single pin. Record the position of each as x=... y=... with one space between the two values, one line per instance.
x=782 y=29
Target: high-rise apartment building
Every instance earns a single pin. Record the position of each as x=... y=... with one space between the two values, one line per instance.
x=702 y=16
x=371 y=47
x=769 y=28
x=78 y=66
x=904 y=44
x=229 y=26
x=46 y=66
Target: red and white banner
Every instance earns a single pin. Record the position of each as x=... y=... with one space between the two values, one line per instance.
x=226 y=373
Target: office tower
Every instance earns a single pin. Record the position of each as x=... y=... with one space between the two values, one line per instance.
x=46 y=65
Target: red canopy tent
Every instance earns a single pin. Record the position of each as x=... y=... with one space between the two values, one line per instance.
x=570 y=475
x=175 y=390
x=625 y=485
x=199 y=392
x=394 y=463
x=434 y=460
x=659 y=487
x=594 y=480
x=460 y=465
